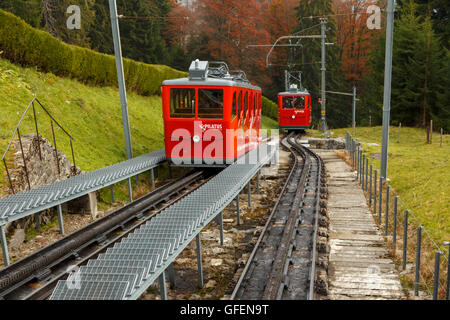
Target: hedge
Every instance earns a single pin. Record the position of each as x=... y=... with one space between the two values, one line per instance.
x=27 y=46
x=269 y=109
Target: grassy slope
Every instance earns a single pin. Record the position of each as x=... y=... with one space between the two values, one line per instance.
x=92 y=115
x=419 y=173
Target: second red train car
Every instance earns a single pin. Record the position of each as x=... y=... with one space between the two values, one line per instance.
x=294 y=109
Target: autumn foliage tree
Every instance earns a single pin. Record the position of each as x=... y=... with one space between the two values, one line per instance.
x=354 y=37
x=226 y=28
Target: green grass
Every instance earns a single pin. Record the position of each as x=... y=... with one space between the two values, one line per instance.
x=419 y=173
x=269 y=123
x=92 y=115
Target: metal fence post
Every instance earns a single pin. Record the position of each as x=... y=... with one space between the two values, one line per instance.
x=130 y=190
x=4 y=246
x=447 y=293
x=405 y=239
x=394 y=231
x=437 y=262
x=366 y=174
x=370 y=186
x=375 y=179
x=418 y=251
x=221 y=227
x=112 y=193
x=238 y=210
x=249 y=193
x=380 y=199
x=257 y=183
x=162 y=286
x=60 y=220
x=199 y=261
x=386 y=231
x=363 y=170
x=153 y=178
x=172 y=275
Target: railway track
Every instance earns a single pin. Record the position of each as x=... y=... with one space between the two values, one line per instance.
x=282 y=265
x=35 y=277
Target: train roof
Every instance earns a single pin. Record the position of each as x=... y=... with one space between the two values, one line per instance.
x=294 y=90
x=204 y=73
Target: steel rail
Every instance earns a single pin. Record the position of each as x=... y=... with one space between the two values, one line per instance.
x=28 y=269
x=274 y=287
x=266 y=226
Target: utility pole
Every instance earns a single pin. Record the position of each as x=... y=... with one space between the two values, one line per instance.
x=354 y=111
x=120 y=76
x=286 y=80
x=323 y=23
x=121 y=80
x=387 y=87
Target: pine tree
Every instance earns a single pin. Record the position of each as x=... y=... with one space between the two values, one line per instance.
x=417 y=75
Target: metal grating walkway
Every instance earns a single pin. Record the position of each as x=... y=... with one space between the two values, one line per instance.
x=157 y=243
x=29 y=202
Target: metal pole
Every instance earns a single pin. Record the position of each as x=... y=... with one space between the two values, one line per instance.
x=120 y=76
x=37 y=221
x=323 y=24
x=286 y=80
x=363 y=170
x=112 y=193
x=199 y=261
x=171 y=272
x=386 y=228
x=4 y=246
x=375 y=192
x=221 y=227
x=418 y=250
x=380 y=200
x=249 y=193
x=354 y=111
x=60 y=220
x=366 y=174
x=238 y=210
x=130 y=190
x=437 y=262
x=387 y=87
x=257 y=183
x=162 y=286
x=370 y=186
x=153 y=179
x=394 y=231
x=447 y=293
x=405 y=239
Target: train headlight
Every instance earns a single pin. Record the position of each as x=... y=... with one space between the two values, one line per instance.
x=293 y=117
x=196 y=139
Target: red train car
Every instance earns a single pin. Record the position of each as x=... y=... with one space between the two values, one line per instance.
x=212 y=117
x=294 y=109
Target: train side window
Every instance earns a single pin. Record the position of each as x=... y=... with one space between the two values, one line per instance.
x=240 y=107
x=182 y=103
x=210 y=103
x=246 y=105
x=299 y=102
x=234 y=108
x=287 y=103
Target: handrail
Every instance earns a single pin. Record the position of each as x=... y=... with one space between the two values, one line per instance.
x=17 y=131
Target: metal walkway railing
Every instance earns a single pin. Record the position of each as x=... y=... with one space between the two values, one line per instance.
x=158 y=243
x=26 y=203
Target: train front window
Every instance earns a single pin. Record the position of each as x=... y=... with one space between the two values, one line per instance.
x=182 y=103
x=287 y=103
x=210 y=103
x=299 y=102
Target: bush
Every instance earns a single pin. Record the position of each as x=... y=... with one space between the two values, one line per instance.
x=269 y=109
x=27 y=46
